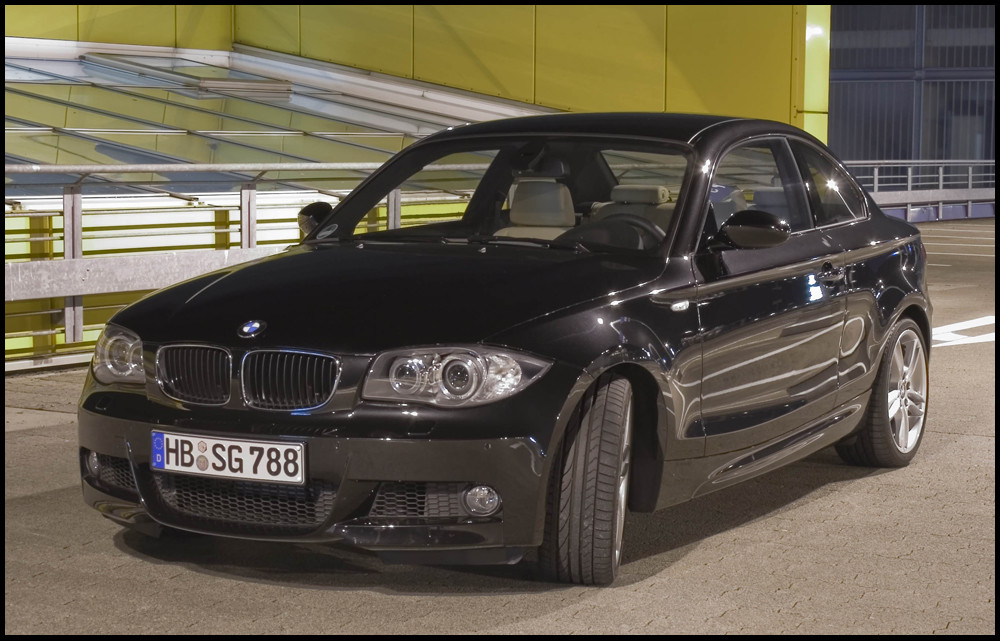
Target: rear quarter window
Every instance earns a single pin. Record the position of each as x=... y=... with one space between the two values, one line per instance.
x=833 y=195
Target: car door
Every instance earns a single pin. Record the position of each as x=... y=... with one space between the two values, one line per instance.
x=770 y=319
x=839 y=209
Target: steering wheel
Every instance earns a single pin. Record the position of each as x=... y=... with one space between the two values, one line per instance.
x=647 y=229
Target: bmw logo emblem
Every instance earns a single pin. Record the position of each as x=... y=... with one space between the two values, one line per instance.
x=252 y=328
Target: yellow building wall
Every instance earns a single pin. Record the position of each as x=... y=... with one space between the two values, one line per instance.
x=486 y=49
x=767 y=61
x=188 y=26
x=374 y=37
x=753 y=61
x=601 y=57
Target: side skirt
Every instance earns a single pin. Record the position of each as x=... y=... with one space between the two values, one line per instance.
x=696 y=477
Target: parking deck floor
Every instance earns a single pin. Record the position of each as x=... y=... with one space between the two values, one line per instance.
x=819 y=547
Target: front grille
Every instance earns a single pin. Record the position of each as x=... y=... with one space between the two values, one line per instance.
x=116 y=472
x=194 y=373
x=418 y=500
x=282 y=380
x=229 y=504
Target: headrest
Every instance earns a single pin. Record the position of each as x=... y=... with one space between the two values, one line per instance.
x=545 y=168
x=541 y=202
x=640 y=194
x=764 y=197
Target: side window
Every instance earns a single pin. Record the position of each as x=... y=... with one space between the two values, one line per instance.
x=833 y=194
x=759 y=175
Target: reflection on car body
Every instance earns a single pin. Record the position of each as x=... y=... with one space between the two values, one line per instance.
x=610 y=312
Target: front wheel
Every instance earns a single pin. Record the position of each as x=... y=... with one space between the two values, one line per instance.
x=588 y=492
x=894 y=426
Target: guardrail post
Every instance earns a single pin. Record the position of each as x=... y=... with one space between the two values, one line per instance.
x=875 y=178
x=248 y=215
x=222 y=229
x=394 y=209
x=73 y=249
x=941 y=177
x=909 y=178
x=970 y=177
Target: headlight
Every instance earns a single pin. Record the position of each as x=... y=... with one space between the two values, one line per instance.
x=451 y=376
x=118 y=357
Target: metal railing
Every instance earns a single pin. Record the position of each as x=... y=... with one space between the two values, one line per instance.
x=926 y=190
x=918 y=175
x=139 y=242
x=136 y=243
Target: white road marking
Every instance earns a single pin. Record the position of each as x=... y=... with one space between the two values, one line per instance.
x=985 y=338
x=969 y=324
x=948 y=334
x=937 y=265
x=947 y=254
x=959 y=244
x=930 y=235
x=933 y=229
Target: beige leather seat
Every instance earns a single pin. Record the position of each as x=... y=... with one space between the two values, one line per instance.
x=652 y=202
x=733 y=202
x=539 y=208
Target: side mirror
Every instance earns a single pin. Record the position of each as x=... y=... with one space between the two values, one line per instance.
x=754 y=229
x=312 y=215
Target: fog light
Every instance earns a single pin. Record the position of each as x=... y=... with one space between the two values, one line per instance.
x=93 y=463
x=481 y=500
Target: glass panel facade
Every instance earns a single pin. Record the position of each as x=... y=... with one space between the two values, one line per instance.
x=960 y=37
x=872 y=36
x=913 y=82
x=84 y=112
x=872 y=120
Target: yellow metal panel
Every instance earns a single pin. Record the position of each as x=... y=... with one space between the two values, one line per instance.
x=53 y=21
x=270 y=114
x=205 y=26
x=132 y=24
x=115 y=103
x=375 y=37
x=600 y=57
x=179 y=146
x=326 y=151
x=817 y=62
x=196 y=120
x=798 y=57
x=308 y=122
x=817 y=124
x=732 y=60
x=269 y=26
x=484 y=48
x=34 y=110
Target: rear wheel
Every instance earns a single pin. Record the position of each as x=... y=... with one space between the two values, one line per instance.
x=588 y=492
x=894 y=426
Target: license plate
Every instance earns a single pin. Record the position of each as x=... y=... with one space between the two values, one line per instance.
x=228 y=458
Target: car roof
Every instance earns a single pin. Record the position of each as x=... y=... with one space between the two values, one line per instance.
x=670 y=126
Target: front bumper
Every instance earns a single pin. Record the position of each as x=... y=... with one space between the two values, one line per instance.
x=345 y=477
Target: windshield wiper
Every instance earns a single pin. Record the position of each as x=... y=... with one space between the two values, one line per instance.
x=574 y=245
x=414 y=238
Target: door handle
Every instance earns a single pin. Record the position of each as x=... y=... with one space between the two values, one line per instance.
x=831 y=275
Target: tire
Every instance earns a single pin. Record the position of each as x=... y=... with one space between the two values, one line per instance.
x=893 y=427
x=588 y=491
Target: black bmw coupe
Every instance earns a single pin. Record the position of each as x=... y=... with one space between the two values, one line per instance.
x=512 y=334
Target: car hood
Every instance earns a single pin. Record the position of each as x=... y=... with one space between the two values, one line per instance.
x=364 y=298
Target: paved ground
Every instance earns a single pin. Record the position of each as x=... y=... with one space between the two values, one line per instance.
x=819 y=547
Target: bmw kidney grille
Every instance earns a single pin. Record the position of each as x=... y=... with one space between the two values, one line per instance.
x=282 y=380
x=279 y=380
x=195 y=373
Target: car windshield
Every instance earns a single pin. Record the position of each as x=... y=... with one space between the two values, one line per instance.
x=577 y=193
